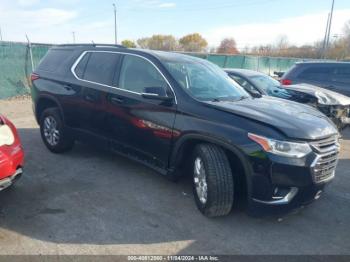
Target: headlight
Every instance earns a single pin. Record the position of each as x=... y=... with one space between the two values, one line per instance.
x=282 y=148
x=6 y=136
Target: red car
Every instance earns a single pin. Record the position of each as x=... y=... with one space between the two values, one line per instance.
x=11 y=154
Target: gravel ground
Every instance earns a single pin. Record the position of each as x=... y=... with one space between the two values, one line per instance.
x=92 y=202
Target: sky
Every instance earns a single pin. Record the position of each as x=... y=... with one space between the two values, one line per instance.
x=249 y=22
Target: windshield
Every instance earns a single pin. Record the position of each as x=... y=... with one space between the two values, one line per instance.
x=270 y=86
x=204 y=80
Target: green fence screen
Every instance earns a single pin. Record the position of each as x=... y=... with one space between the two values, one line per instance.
x=16 y=65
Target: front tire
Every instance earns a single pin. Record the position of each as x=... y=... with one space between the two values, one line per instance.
x=213 y=185
x=53 y=132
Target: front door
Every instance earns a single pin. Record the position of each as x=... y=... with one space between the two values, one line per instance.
x=139 y=126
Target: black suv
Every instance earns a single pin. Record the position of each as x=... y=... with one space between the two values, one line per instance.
x=334 y=76
x=184 y=115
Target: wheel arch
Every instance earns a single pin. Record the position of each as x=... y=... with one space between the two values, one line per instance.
x=44 y=102
x=187 y=144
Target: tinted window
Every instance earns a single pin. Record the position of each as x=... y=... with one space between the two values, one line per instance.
x=56 y=60
x=317 y=73
x=101 y=67
x=137 y=74
x=342 y=74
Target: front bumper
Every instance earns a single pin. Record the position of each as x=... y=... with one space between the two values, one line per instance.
x=8 y=181
x=280 y=184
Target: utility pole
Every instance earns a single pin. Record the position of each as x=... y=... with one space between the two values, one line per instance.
x=73 y=33
x=325 y=38
x=115 y=24
x=330 y=25
x=30 y=52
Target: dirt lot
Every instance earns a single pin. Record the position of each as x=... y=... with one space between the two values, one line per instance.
x=93 y=202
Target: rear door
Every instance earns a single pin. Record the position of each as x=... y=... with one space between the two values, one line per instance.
x=95 y=72
x=141 y=127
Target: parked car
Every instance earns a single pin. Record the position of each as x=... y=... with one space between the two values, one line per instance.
x=11 y=154
x=183 y=115
x=333 y=76
x=335 y=106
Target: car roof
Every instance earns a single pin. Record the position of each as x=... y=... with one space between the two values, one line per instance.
x=162 y=55
x=244 y=72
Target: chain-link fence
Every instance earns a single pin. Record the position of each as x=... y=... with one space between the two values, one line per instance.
x=16 y=64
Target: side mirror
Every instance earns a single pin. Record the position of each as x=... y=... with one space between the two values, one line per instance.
x=156 y=93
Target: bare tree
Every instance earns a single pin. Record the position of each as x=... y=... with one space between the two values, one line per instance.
x=228 y=46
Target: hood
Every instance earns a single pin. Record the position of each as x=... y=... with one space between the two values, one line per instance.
x=325 y=96
x=295 y=120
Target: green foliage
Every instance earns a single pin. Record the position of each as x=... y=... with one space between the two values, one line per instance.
x=128 y=43
x=193 y=43
x=158 y=42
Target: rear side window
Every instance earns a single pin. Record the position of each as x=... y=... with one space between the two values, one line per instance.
x=56 y=61
x=317 y=73
x=342 y=74
x=98 y=67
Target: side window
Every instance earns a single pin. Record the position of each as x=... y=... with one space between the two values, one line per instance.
x=56 y=61
x=137 y=75
x=317 y=73
x=342 y=74
x=245 y=84
x=100 y=67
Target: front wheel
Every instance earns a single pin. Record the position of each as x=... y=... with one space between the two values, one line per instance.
x=53 y=132
x=213 y=185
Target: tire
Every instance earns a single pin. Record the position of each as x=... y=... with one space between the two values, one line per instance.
x=58 y=140
x=212 y=161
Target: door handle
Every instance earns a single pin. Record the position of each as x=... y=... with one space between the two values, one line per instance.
x=117 y=100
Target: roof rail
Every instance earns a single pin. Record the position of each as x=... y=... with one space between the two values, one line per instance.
x=94 y=45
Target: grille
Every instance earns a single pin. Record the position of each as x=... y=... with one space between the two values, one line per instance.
x=327 y=151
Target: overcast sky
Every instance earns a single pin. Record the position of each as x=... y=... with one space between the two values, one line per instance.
x=250 y=22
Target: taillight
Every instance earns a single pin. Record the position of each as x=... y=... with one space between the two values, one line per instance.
x=286 y=82
x=34 y=77
x=6 y=136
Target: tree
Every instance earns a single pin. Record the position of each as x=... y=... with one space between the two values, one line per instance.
x=158 y=42
x=193 y=43
x=227 y=46
x=128 y=43
x=143 y=42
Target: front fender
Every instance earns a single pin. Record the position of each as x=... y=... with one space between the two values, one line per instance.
x=178 y=152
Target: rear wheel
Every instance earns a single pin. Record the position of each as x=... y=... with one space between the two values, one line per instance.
x=53 y=132
x=213 y=185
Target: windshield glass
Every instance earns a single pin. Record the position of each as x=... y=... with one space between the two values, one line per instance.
x=204 y=80
x=269 y=85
